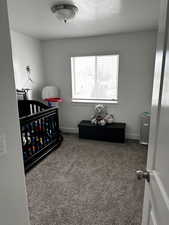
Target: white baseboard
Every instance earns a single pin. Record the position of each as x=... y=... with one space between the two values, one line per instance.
x=72 y=130
x=132 y=136
x=69 y=130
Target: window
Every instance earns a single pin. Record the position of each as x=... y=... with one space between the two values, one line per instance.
x=95 y=78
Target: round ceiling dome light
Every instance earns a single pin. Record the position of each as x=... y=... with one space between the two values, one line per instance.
x=64 y=12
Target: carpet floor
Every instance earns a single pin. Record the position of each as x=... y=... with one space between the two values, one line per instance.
x=87 y=182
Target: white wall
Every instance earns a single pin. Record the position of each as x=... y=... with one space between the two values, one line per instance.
x=27 y=51
x=13 y=202
x=137 y=52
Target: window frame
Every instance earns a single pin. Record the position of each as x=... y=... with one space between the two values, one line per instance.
x=80 y=100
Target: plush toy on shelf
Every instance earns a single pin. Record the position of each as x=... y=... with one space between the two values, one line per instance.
x=101 y=117
x=109 y=118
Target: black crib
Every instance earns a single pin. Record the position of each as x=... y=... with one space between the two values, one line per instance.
x=40 y=132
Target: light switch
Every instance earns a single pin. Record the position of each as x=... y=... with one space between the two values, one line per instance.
x=2 y=144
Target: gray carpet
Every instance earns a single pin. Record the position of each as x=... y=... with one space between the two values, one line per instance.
x=87 y=183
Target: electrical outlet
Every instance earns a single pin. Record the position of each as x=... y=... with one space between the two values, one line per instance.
x=2 y=144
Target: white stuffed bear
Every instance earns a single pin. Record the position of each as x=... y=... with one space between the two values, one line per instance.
x=101 y=117
x=98 y=117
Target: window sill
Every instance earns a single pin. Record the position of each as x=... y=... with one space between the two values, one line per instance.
x=95 y=101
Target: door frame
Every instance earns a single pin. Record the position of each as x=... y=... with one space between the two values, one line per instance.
x=159 y=71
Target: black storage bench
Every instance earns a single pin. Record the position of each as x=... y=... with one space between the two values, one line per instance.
x=114 y=132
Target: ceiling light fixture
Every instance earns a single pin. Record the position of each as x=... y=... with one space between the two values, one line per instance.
x=64 y=12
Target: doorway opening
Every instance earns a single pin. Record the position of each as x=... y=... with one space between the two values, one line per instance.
x=92 y=78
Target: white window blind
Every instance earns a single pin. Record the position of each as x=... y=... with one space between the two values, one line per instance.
x=95 y=78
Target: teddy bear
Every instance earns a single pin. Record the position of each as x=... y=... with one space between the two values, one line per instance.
x=101 y=117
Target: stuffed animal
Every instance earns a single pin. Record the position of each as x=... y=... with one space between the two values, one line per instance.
x=109 y=118
x=101 y=117
x=102 y=122
x=98 y=117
